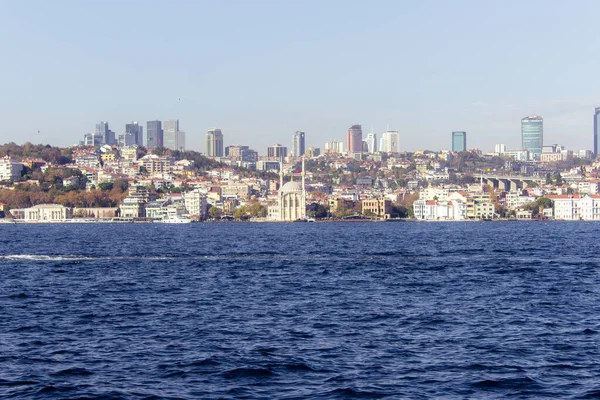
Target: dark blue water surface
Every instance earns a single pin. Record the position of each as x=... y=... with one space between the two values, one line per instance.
x=300 y=311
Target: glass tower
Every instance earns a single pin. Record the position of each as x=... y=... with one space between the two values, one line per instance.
x=459 y=141
x=298 y=144
x=532 y=134
x=214 y=143
x=154 y=134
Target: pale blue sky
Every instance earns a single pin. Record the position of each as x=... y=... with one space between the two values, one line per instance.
x=261 y=70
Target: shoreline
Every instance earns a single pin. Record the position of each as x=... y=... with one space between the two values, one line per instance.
x=407 y=220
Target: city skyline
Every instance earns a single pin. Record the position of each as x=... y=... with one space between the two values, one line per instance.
x=85 y=72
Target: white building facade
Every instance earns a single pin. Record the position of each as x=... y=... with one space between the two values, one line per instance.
x=10 y=170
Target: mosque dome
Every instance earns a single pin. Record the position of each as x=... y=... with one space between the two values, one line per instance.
x=291 y=187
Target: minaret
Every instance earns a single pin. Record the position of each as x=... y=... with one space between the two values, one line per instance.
x=303 y=174
x=280 y=174
x=303 y=189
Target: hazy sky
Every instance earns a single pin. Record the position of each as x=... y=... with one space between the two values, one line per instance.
x=260 y=70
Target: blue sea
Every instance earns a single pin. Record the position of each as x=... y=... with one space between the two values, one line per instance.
x=300 y=311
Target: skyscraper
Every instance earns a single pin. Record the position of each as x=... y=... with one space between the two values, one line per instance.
x=372 y=142
x=137 y=132
x=459 y=141
x=277 y=151
x=597 y=132
x=298 y=144
x=174 y=139
x=390 y=142
x=214 y=143
x=355 y=139
x=532 y=134
x=154 y=134
x=108 y=136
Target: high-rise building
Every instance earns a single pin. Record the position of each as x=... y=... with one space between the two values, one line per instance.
x=103 y=131
x=277 y=151
x=355 y=139
x=459 y=141
x=214 y=143
x=136 y=131
x=235 y=151
x=333 y=146
x=500 y=148
x=154 y=134
x=126 y=139
x=597 y=132
x=390 y=142
x=532 y=134
x=372 y=142
x=173 y=138
x=298 y=144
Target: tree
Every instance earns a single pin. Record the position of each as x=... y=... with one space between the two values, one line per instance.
x=105 y=186
x=320 y=211
x=241 y=213
x=399 y=211
x=215 y=212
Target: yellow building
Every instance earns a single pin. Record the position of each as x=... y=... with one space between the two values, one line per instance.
x=381 y=208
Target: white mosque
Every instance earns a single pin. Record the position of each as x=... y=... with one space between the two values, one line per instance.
x=291 y=199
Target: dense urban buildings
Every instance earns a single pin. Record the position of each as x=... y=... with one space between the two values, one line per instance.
x=459 y=141
x=174 y=139
x=214 y=143
x=354 y=139
x=298 y=144
x=597 y=132
x=532 y=135
x=154 y=134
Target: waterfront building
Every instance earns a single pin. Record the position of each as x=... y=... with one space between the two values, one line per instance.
x=390 y=142
x=214 y=143
x=44 y=213
x=597 y=132
x=134 y=205
x=154 y=132
x=10 y=170
x=532 y=135
x=435 y=210
x=298 y=144
x=277 y=151
x=576 y=207
x=459 y=141
x=354 y=139
x=380 y=207
x=291 y=198
x=196 y=203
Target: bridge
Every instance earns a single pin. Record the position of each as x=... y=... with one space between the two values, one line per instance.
x=507 y=183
